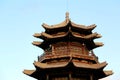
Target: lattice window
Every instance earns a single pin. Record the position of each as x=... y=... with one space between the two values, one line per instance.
x=76 y=49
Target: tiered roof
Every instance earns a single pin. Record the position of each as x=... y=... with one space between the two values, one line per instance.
x=68 y=31
x=90 y=67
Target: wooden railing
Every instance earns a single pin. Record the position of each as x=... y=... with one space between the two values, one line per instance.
x=49 y=55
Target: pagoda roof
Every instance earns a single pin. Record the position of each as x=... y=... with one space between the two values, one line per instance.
x=69 y=36
x=68 y=31
x=43 y=66
x=33 y=72
x=46 y=36
x=65 y=64
x=66 y=24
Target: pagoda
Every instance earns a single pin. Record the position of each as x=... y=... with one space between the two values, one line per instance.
x=68 y=53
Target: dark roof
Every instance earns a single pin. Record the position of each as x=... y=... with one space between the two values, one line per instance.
x=43 y=66
x=68 y=36
x=66 y=24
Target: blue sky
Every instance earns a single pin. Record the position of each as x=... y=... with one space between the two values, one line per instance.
x=20 y=19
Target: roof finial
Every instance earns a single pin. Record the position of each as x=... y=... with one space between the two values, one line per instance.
x=67 y=15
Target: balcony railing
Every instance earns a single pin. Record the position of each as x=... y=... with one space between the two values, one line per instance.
x=49 y=55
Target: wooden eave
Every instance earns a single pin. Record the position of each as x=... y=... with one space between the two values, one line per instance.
x=37 y=35
x=64 y=26
x=56 y=26
x=46 y=36
x=90 y=36
x=28 y=72
x=32 y=73
x=49 y=39
x=101 y=73
x=108 y=73
x=90 y=66
x=90 y=44
x=82 y=27
x=42 y=45
x=65 y=64
x=44 y=66
x=49 y=66
x=98 y=44
x=37 y=43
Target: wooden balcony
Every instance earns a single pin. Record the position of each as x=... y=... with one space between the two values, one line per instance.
x=74 y=55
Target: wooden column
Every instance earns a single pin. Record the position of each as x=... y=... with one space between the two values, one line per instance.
x=70 y=76
x=91 y=76
x=47 y=77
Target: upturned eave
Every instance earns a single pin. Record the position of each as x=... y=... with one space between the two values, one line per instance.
x=37 y=35
x=66 y=24
x=48 y=39
x=74 y=64
x=108 y=73
x=37 y=43
x=28 y=72
x=98 y=44
x=83 y=27
x=56 y=26
x=46 y=36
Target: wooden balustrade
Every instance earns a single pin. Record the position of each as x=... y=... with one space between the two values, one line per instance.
x=72 y=54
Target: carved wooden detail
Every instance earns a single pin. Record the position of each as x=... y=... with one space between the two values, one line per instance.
x=69 y=47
